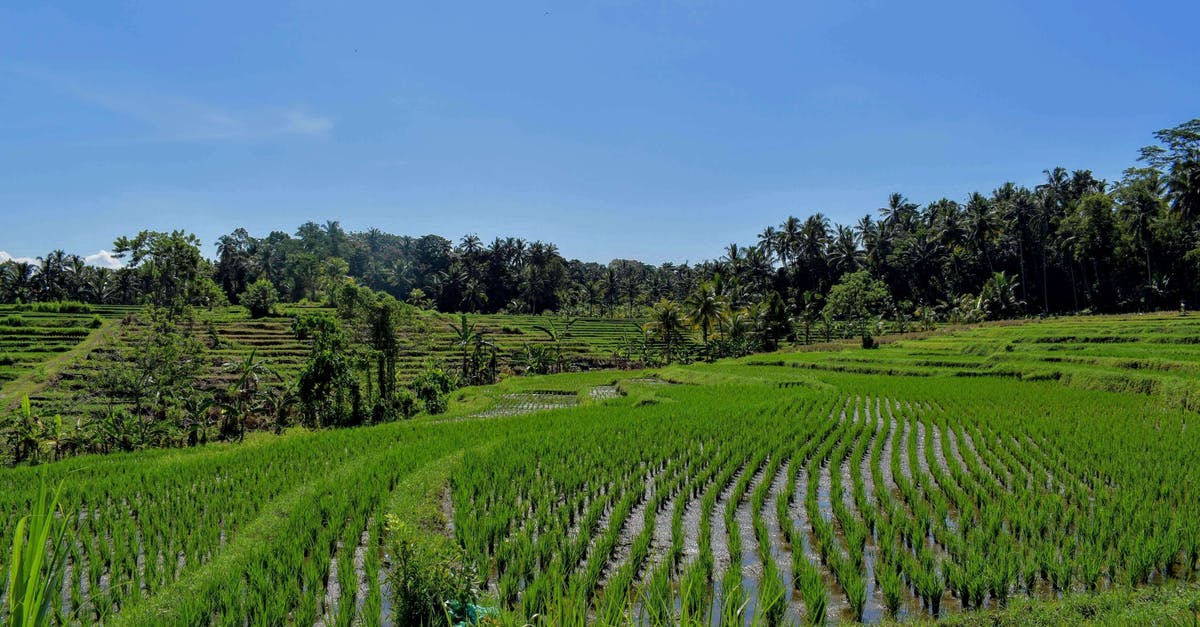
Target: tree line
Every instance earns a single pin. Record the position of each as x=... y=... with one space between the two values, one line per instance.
x=1073 y=243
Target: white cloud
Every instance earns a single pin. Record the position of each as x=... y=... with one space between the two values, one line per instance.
x=173 y=118
x=7 y=257
x=103 y=259
x=302 y=123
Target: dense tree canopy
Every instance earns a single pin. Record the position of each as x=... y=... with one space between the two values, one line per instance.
x=1071 y=243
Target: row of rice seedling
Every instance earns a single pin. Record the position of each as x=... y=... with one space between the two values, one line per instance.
x=913 y=496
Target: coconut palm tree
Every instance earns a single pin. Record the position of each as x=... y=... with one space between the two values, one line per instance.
x=768 y=242
x=844 y=254
x=733 y=258
x=980 y=226
x=703 y=310
x=898 y=212
x=1183 y=186
x=1141 y=202
x=242 y=394
x=666 y=325
x=789 y=240
x=999 y=296
x=813 y=238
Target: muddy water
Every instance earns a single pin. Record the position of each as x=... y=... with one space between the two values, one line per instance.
x=720 y=533
x=633 y=526
x=660 y=538
x=837 y=604
x=922 y=460
x=751 y=564
x=885 y=453
x=780 y=551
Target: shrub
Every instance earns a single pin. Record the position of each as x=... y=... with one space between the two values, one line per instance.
x=428 y=573
x=64 y=307
x=433 y=388
x=260 y=298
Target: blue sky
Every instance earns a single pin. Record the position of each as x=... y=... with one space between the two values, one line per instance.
x=654 y=130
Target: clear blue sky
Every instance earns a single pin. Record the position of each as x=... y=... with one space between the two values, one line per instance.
x=655 y=130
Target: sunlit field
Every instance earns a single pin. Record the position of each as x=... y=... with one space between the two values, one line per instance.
x=965 y=473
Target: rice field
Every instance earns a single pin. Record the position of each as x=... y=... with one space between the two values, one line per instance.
x=79 y=341
x=31 y=336
x=922 y=481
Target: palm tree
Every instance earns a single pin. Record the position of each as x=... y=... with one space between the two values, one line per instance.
x=810 y=311
x=813 y=238
x=704 y=307
x=666 y=325
x=1141 y=197
x=1183 y=186
x=21 y=279
x=899 y=211
x=789 y=240
x=53 y=267
x=733 y=258
x=471 y=245
x=999 y=296
x=738 y=324
x=768 y=242
x=981 y=226
x=474 y=295
x=844 y=254
x=756 y=266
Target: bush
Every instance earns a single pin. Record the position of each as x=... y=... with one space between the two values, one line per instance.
x=433 y=388
x=96 y=322
x=63 y=307
x=260 y=298
x=428 y=572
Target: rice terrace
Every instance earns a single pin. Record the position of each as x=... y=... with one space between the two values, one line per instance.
x=969 y=470
x=599 y=313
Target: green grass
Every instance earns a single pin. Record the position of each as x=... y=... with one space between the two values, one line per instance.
x=1046 y=467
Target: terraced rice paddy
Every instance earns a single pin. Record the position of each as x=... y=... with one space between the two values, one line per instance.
x=29 y=338
x=747 y=491
x=229 y=335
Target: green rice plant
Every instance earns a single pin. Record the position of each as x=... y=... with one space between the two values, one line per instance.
x=772 y=596
x=694 y=595
x=614 y=601
x=657 y=597
x=816 y=596
x=892 y=586
x=35 y=568
x=733 y=598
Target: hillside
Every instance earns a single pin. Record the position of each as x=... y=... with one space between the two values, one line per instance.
x=54 y=357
